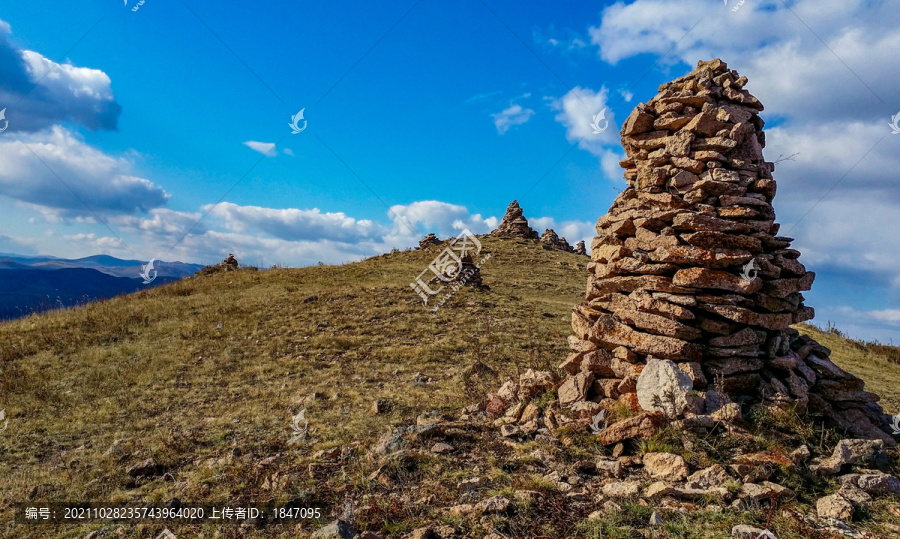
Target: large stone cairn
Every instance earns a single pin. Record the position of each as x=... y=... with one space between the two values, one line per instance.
x=580 y=248
x=514 y=224
x=687 y=266
x=551 y=239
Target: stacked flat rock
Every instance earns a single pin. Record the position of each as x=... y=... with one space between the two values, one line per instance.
x=514 y=224
x=687 y=266
x=467 y=273
x=580 y=248
x=550 y=238
x=230 y=263
x=429 y=240
x=470 y=273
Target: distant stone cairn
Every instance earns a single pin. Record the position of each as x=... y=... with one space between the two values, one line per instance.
x=514 y=224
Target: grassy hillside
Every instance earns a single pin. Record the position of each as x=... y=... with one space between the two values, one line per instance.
x=204 y=376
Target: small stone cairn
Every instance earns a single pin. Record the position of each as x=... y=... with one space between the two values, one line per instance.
x=689 y=277
x=553 y=241
x=230 y=263
x=514 y=224
x=429 y=240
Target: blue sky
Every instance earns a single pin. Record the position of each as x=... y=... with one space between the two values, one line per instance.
x=426 y=117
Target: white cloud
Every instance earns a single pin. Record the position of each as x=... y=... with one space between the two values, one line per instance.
x=163 y=223
x=41 y=171
x=510 y=116
x=48 y=93
x=294 y=224
x=568 y=40
x=412 y=221
x=265 y=148
x=867 y=324
x=576 y=111
x=828 y=150
x=764 y=37
x=609 y=164
x=93 y=243
x=891 y=316
x=18 y=245
x=850 y=232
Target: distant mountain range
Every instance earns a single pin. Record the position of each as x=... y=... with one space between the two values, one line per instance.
x=31 y=284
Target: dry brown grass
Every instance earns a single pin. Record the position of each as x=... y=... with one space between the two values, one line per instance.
x=192 y=371
x=186 y=372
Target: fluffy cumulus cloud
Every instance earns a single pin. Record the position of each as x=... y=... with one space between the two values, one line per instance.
x=48 y=168
x=511 y=116
x=39 y=93
x=164 y=226
x=403 y=227
x=589 y=122
x=293 y=224
x=853 y=78
x=587 y=118
x=93 y=243
x=443 y=218
x=57 y=172
x=830 y=104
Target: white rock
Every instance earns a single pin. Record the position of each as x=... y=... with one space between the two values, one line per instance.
x=834 y=506
x=660 y=378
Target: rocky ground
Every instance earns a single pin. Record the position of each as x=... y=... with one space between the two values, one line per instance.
x=496 y=473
